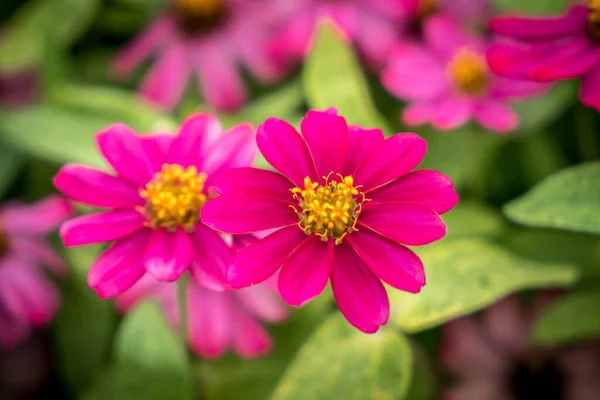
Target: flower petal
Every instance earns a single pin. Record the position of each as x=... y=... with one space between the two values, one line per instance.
x=286 y=150
x=259 y=261
x=306 y=272
x=571 y=60
x=211 y=259
x=124 y=151
x=157 y=147
x=252 y=181
x=197 y=133
x=418 y=113
x=405 y=223
x=119 y=266
x=236 y=148
x=452 y=112
x=38 y=218
x=326 y=135
x=395 y=157
x=590 y=88
x=393 y=263
x=444 y=35
x=98 y=228
x=496 y=116
x=37 y=251
x=427 y=188
x=239 y=214
x=263 y=301
x=96 y=188
x=360 y=295
x=505 y=323
x=168 y=254
x=361 y=143
x=250 y=338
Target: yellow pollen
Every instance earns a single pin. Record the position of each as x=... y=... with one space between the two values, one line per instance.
x=594 y=6
x=427 y=7
x=330 y=209
x=205 y=8
x=469 y=72
x=174 y=197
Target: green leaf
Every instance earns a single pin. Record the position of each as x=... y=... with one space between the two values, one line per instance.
x=571 y=318
x=10 y=164
x=151 y=360
x=54 y=134
x=39 y=23
x=332 y=77
x=83 y=328
x=569 y=199
x=531 y=6
x=466 y=275
x=473 y=218
x=540 y=112
x=424 y=383
x=340 y=362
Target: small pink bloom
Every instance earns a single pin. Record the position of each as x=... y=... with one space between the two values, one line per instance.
x=154 y=200
x=27 y=297
x=216 y=321
x=370 y=24
x=208 y=39
x=547 y=49
x=342 y=208
x=494 y=358
x=447 y=81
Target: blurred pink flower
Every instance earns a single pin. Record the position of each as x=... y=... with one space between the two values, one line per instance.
x=552 y=48
x=209 y=39
x=27 y=297
x=216 y=320
x=343 y=207
x=18 y=89
x=495 y=360
x=462 y=11
x=447 y=81
x=161 y=183
x=370 y=24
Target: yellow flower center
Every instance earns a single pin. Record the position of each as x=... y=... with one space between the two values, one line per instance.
x=426 y=8
x=330 y=209
x=174 y=197
x=594 y=20
x=199 y=15
x=469 y=72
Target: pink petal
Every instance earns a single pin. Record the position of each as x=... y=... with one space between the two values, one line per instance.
x=250 y=339
x=211 y=259
x=119 y=266
x=414 y=73
x=590 y=88
x=294 y=38
x=306 y=272
x=263 y=301
x=418 y=114
x=124 y=151
x=166 y=82
x=570 y=61
x=286 y=150
x=98 y=228
x=496 y=116
x=513 y=61
x=326 y=134
x=510 y=89
x=393 y=263
x=395 y=157
x=211 y=321
x=452 y=112
x=37 y=218
x=37 y=251
x=259 y=261
x=409 y=224
x=252 y=181
x=197 y=133
x=13 y=332
x=361 y=143
x=145 y=287
x=157 y=147
x=360 y=295
x=540 y=28
x=427 y=188
x=236 y=148
x=444 y=35
x=218 y=75
x=376 y=37
x=505 y=324
x=96 y=188
x=142 y=47
x=239 y=214
x=168 y=254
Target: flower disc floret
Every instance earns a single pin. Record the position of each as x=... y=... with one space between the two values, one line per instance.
x=469 y=72
x=330 y=209
x=199 y=15
x=174 y=197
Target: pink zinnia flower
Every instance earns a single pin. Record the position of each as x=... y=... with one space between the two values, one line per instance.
x=216 y=321
x=161 y=183
x=494 y=358
x=552 y=48
x=27 y=297
x=343 y=207
x=447 y=81
x=209 y=39
x=370 y=24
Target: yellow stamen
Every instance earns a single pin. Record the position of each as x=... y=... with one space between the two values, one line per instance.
x=174 y=197
x=330 y=209
x=201 y=8
x=427 y=7
x=469 y=72
x=594 y=6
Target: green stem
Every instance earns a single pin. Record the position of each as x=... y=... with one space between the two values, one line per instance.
x=589 y=143
x=181 y=299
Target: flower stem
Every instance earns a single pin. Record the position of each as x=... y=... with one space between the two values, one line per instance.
x=181 y=300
